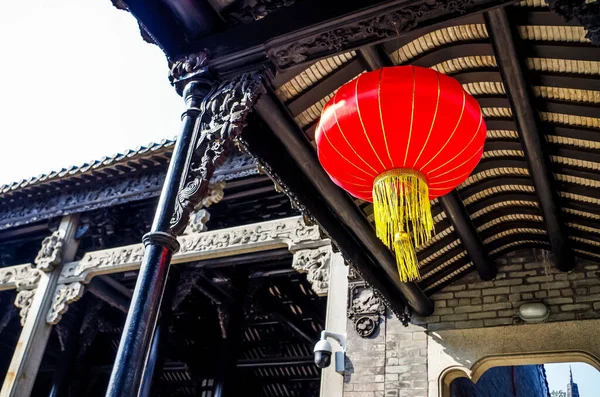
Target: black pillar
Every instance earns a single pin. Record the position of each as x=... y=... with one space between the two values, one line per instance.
x=160 y=244
x=160 y=340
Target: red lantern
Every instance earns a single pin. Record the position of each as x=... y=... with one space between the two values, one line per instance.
x=399 y=137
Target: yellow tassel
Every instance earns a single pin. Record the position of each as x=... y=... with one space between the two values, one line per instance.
x=406 y=257
x=403 y=218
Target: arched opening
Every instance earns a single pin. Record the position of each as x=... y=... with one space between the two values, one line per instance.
x=526 y=375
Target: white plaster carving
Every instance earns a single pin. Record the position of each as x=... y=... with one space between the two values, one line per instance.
x=315 y=263
x=215 y=194
x=291 y=233
x=65 y=295
x=19 y=276
x=198 y=221
x=24 y=278
x=50 y=254
x=23 y=302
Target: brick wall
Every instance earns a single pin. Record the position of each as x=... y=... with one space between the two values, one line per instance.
x=523 y=276
x=393 y=362
x=365 y=363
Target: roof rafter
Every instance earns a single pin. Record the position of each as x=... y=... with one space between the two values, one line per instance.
x=527 y=119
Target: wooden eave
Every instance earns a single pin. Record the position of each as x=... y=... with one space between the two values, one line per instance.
x=563 y=68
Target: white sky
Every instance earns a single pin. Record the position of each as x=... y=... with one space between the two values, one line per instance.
x=77 y=82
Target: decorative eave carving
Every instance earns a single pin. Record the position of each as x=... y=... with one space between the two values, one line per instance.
x=200 y=217
x=255 y=10
x=108 y=193
x=280 y=185
x=64 y=295
x=365 y=309
x=50 y=254
x=347 y=36
x=291 y=233
x=188 y=66
x=197 y=223
x=586 y=14
x=19 y=277
x=315 y=263
x=25 y=279
x=222 y=118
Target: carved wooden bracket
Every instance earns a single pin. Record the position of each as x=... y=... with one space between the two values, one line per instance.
x=200 y=216
x=222 y=117
x=25 y=279
x=584 y=12
x=65 y=295
x=315 y=263
x=23 y=302
x=50 y=254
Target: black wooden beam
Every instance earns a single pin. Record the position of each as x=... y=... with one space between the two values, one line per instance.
x=275 y=362
x=286 y=318
x=294 y=36
x=463 y=226
x=285 y=148
x=374 y=57
x=111 y=292
x=527 y=119
x=451 y=203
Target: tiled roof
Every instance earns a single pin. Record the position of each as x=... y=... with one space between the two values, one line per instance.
x=110 y=162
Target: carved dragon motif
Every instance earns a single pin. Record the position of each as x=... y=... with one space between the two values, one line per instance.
x=222 y=116
x=315 y=263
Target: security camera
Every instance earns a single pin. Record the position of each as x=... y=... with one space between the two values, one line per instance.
x=323 y=351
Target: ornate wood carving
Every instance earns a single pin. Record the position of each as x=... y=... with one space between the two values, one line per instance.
x=50 y=254
x=23 y=302
x=366 y=309
x=108 y=193
x=198 y=221
x=586 y=13
x=292 y=233
x=222 y=117
x=352 y=35
x=19 y=276
x=315 y=263
x=65 y=295
x=25 y=279
x=200 y=217
x=280 y=185
x=254 y=10
x=188 y=66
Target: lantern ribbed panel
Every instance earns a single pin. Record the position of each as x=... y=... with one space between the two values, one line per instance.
x=399 y=137
x=400 y=117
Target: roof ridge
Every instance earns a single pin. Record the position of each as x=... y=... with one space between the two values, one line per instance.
x=89 y=166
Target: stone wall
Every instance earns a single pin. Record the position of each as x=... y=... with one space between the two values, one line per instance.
x=398 y=361
x=523 y=276
x=391 y=363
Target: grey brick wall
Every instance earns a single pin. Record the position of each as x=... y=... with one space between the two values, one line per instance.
x=365 y=363
x=393 y=363
x=523 y=276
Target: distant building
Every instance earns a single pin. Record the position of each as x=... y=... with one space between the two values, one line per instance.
x=572 y=389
